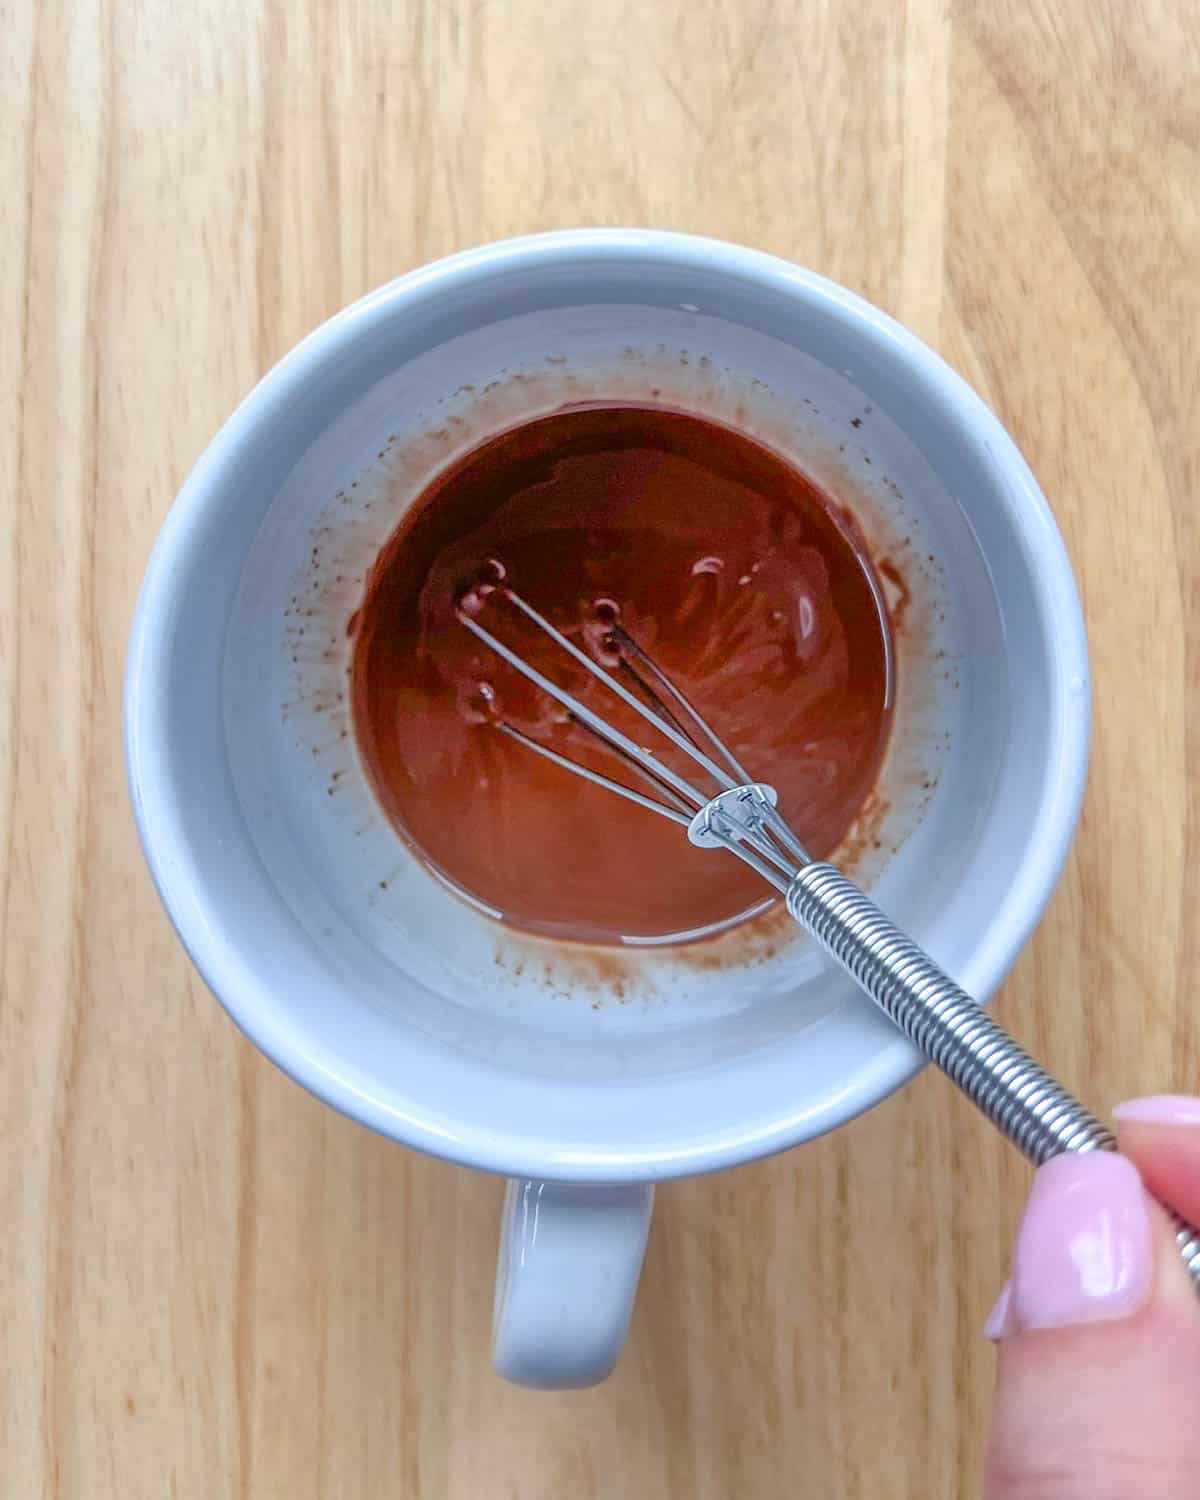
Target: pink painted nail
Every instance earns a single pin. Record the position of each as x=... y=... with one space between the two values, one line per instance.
x=1160 y=1109
x=1084 y=1248
x=999 y=1323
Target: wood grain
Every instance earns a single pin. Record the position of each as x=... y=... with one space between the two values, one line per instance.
x=211 y=1287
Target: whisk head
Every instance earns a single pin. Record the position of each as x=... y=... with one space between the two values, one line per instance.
x=740 y=815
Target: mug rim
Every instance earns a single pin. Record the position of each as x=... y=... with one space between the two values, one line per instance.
x=148 y=768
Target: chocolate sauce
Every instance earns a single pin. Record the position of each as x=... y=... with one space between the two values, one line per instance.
x=729 y=567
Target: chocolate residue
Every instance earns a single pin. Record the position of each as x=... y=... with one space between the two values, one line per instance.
x=898 y=596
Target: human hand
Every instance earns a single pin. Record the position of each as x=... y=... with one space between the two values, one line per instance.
x=1098 y=1387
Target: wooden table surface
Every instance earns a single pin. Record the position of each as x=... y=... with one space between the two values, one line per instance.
x=211 y=1286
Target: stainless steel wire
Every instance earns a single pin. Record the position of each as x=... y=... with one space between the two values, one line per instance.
x=1037 y=1114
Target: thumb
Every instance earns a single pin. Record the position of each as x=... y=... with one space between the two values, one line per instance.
x=1098 y=1387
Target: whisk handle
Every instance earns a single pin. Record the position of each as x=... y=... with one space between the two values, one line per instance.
x=1020 y=1098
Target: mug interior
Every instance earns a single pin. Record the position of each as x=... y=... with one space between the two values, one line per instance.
x=328 y=940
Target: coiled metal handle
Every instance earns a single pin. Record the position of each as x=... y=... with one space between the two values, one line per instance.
x=1021 y=1099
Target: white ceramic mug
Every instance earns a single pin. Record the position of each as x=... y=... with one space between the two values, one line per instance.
x=586 y=1078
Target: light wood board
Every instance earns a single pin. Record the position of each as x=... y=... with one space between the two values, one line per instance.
x=210 y=1286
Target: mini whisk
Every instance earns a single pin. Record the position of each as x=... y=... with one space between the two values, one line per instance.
x=951 y=1029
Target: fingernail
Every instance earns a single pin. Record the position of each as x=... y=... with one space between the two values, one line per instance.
x=1084 y=1248
x=999 y=1323
x=1160 y=1109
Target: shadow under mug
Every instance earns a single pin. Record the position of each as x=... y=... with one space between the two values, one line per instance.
x=367 y=980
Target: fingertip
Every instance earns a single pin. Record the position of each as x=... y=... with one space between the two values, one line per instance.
x=1162 y=1110
x=1102 y=1409
x=1161 y=1136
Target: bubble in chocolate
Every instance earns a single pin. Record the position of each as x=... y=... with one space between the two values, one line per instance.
x=599 y=632
x=477 y=702
x=471 y=596
x=468 y=600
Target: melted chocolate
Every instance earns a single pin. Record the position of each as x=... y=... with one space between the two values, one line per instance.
x=730 y=568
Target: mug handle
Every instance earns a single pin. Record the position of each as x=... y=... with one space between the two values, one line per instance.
x=566 y=1277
